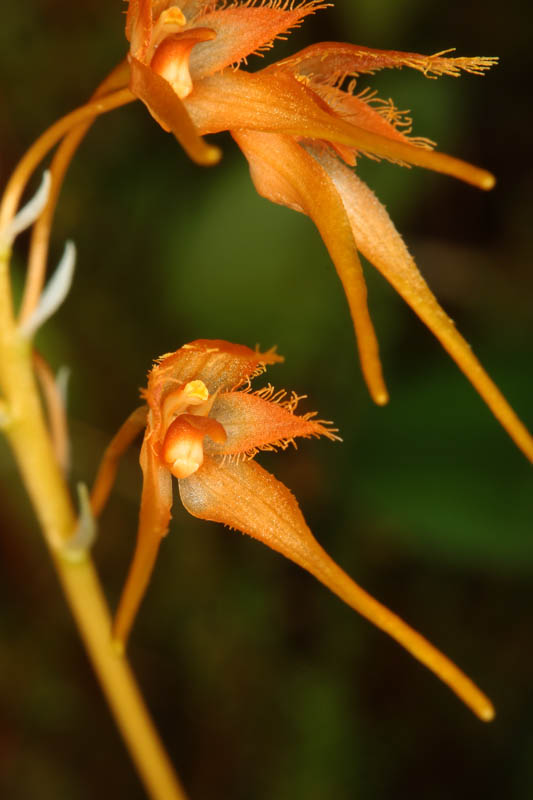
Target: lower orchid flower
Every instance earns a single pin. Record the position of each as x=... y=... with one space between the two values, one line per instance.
x=204 y=425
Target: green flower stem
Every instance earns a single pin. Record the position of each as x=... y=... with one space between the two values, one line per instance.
x=25 y=428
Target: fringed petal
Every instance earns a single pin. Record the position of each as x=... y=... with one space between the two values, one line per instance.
x=243 y=30
x=331 y=62
x=369 y=112
x=285 y=173
x=274 y=101
x=381 y=244
x=168 y=110
x=219 y=364
x=154 y=518
x=263 y=420
x=246 y=497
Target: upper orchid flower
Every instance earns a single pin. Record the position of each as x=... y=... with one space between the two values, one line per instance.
x=204 y=426
x=301 y=127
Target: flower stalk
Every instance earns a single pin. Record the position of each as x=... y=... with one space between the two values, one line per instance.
x=40 y=237
x=23 y=422
x=47 y=140
x=203 y=426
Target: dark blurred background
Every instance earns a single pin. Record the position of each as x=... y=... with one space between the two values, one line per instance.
x=265 y=686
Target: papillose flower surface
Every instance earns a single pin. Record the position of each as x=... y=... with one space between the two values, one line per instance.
x=302 y=124
x=203 y=425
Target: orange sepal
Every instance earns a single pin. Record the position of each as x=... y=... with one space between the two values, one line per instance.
x=168 y=110
x=245 y=497
x=274 y=101
x=382 y=245
x=285 y=173
x=154 y=518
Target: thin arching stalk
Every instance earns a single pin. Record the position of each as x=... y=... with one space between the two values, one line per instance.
x=40 y=239
x=47 y=140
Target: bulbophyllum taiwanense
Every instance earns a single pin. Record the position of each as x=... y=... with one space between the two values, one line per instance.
x=203 y=425
x=302 y=123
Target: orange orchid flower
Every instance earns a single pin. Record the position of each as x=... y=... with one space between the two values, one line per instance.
x=301 y=127
x=204 y=425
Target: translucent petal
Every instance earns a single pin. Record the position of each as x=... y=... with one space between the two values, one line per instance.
x=28 y=214
x=54 y=293
x=77 y=547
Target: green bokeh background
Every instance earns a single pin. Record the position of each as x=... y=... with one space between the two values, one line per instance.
x=264 y=686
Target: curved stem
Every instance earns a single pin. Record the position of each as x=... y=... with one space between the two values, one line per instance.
x=40 y=238
x=82 y=589
x=25 y=428
x=47 y=140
